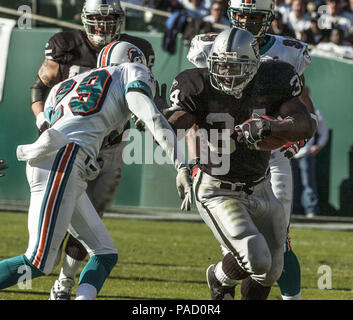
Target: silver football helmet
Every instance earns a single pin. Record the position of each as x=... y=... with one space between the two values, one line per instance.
x=262 y=10
x=118 y=52
x=102 y=20
x=233 y=60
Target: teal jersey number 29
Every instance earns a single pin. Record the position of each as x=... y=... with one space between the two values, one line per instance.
x=89 y=97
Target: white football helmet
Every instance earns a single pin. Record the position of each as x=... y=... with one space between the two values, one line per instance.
x=118 y=52
x=263 y=8
x=94 y=18
x=233 y=61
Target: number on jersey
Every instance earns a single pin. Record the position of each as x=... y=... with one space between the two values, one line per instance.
x=89 y=97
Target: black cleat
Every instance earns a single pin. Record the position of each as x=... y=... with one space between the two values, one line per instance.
x=217 y=290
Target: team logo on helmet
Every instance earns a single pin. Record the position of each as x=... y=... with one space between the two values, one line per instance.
x=134 y=55
x=248 y=3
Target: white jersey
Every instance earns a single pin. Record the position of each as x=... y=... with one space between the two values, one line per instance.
x=288 y=50
x=89 y=106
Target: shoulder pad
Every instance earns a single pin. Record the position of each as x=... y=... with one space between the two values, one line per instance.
x=299 y=51
x=200 y=48
x=279 y=79
x=186 y=87
x=60 y=46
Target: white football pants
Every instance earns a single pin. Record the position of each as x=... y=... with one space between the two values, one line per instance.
x=59 y=203
x=252 y=226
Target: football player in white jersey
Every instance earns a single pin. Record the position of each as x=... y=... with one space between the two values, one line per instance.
x=82 y=111
x=256 y=17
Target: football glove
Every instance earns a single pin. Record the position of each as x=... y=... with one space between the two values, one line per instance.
x=3 y=166
x=253 y=130
x=139 y=124
x=184 y=187
x=160 y=98
x=290 y=149
x=42 y=123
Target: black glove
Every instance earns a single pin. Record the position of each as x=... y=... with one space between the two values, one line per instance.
x=160 y=98
x=3 y=166
x=253 y=130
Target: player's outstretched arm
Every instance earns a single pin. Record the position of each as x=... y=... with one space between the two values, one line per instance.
x=145 y=109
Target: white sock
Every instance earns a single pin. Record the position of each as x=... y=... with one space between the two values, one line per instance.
x=69 y=268
x=222 y=277
x=86 y=291
x=296 y=297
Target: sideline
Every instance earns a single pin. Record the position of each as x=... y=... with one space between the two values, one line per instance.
x=330 y=223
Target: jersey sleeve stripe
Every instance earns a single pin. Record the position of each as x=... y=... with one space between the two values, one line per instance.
x=139 y=85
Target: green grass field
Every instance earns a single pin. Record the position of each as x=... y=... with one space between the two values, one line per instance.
x=167 y=260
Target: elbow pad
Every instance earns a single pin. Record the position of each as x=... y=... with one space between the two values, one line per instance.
x=39 y=91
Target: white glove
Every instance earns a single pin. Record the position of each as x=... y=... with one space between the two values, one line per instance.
x=41 y=122
x=184 y=187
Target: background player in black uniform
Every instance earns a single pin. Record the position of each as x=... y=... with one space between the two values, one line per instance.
x=238 y=204
x=66 y=54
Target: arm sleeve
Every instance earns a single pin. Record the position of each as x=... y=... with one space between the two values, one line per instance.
x=145 y=109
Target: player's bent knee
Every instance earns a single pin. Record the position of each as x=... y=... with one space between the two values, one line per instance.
x=259 y=255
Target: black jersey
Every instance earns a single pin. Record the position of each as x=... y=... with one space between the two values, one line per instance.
x=275 y=83
x=75 y=54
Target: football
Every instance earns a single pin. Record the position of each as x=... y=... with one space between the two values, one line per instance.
x=270 y=143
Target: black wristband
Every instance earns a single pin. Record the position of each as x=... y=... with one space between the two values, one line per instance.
x=39 y=91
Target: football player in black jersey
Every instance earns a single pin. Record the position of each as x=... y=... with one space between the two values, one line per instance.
x=239 y=100
x=67 y=54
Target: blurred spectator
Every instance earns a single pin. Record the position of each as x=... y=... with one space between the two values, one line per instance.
x=195 y=8
x=336 y=16
x=283 y=8
x=217 y=15
x=279 y=28
x=170 y=6
x=314 y=35
x=305 y=197
x=298 y=19
x=311 y=8
x=336 y=47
